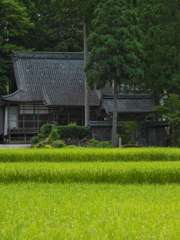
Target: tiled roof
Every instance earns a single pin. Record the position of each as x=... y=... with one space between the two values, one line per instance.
x=20 y=96
x=134 y=103
x=57 y=79
x=54 y=78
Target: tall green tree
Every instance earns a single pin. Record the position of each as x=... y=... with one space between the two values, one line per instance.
x=117 y=52
x=159 y=22
x=80 y=11
x=171 y=110
x=14 y=26
x=50 y=34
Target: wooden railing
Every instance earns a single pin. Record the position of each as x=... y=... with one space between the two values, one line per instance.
x=23 y=130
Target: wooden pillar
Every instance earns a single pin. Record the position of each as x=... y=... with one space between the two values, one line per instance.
x=34 y=116
x=23 y=118
x=87 y=89
x=82 y=117
x=68 y=115
x=139 y=135
x=8 y=124
x=115 y=116
x=38 y=117
x=49 y=115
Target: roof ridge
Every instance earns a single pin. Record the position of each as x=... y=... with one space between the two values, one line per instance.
x=46 y=97
x=144 y=95
x=49 y=55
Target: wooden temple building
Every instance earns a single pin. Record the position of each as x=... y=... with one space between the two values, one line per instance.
x=50 y=88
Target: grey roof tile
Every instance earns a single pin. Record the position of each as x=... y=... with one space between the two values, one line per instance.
x=136 y=103
x=54 y=78
x=57 y=79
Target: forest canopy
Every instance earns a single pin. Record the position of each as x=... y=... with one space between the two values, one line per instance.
x=37 y=25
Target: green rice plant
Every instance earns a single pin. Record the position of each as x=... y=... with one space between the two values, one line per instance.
x=89 y=211
x=79 y=154
x=94 y=172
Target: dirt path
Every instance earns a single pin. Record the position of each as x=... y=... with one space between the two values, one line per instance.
x=14 y=146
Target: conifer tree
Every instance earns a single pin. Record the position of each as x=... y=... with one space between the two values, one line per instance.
x=80 y=11
x=50 y=34
x=116 y=50
x=171 y=110
x=14 y=26
x=160 y=24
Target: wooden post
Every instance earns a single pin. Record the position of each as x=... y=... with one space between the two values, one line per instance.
x=87 y=89
x=120 y=142
x=114 y=125
x=139 y=137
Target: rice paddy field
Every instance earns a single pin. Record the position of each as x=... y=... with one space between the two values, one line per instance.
x=94 y=194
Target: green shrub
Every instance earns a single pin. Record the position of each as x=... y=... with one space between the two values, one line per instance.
x=46 y=129
x=49 y=139
x=54 y=134
x=125 y=138
x=73 y=131
x=97 y=144
x=48 y=146
x=34 y=140
x=38 y=145
x=104 y=144
x=40 y=135
x=58 y=144
x=93 y=143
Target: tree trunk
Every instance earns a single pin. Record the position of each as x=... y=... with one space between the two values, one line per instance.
x=87 y=89
x=114 y=126
x=173 y=126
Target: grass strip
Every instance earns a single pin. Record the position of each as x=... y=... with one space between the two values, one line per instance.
x=89 y=211
x=89 y=155
x=96 y=172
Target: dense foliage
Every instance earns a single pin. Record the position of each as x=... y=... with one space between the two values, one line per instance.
x=73 y=131
x=32 y=25
x=116 y=51
x=159 y=22
x=171 y=111
x=116 y=55
x=54 y=136
x=46 y=129
x=14 y=26
x=50 y=33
